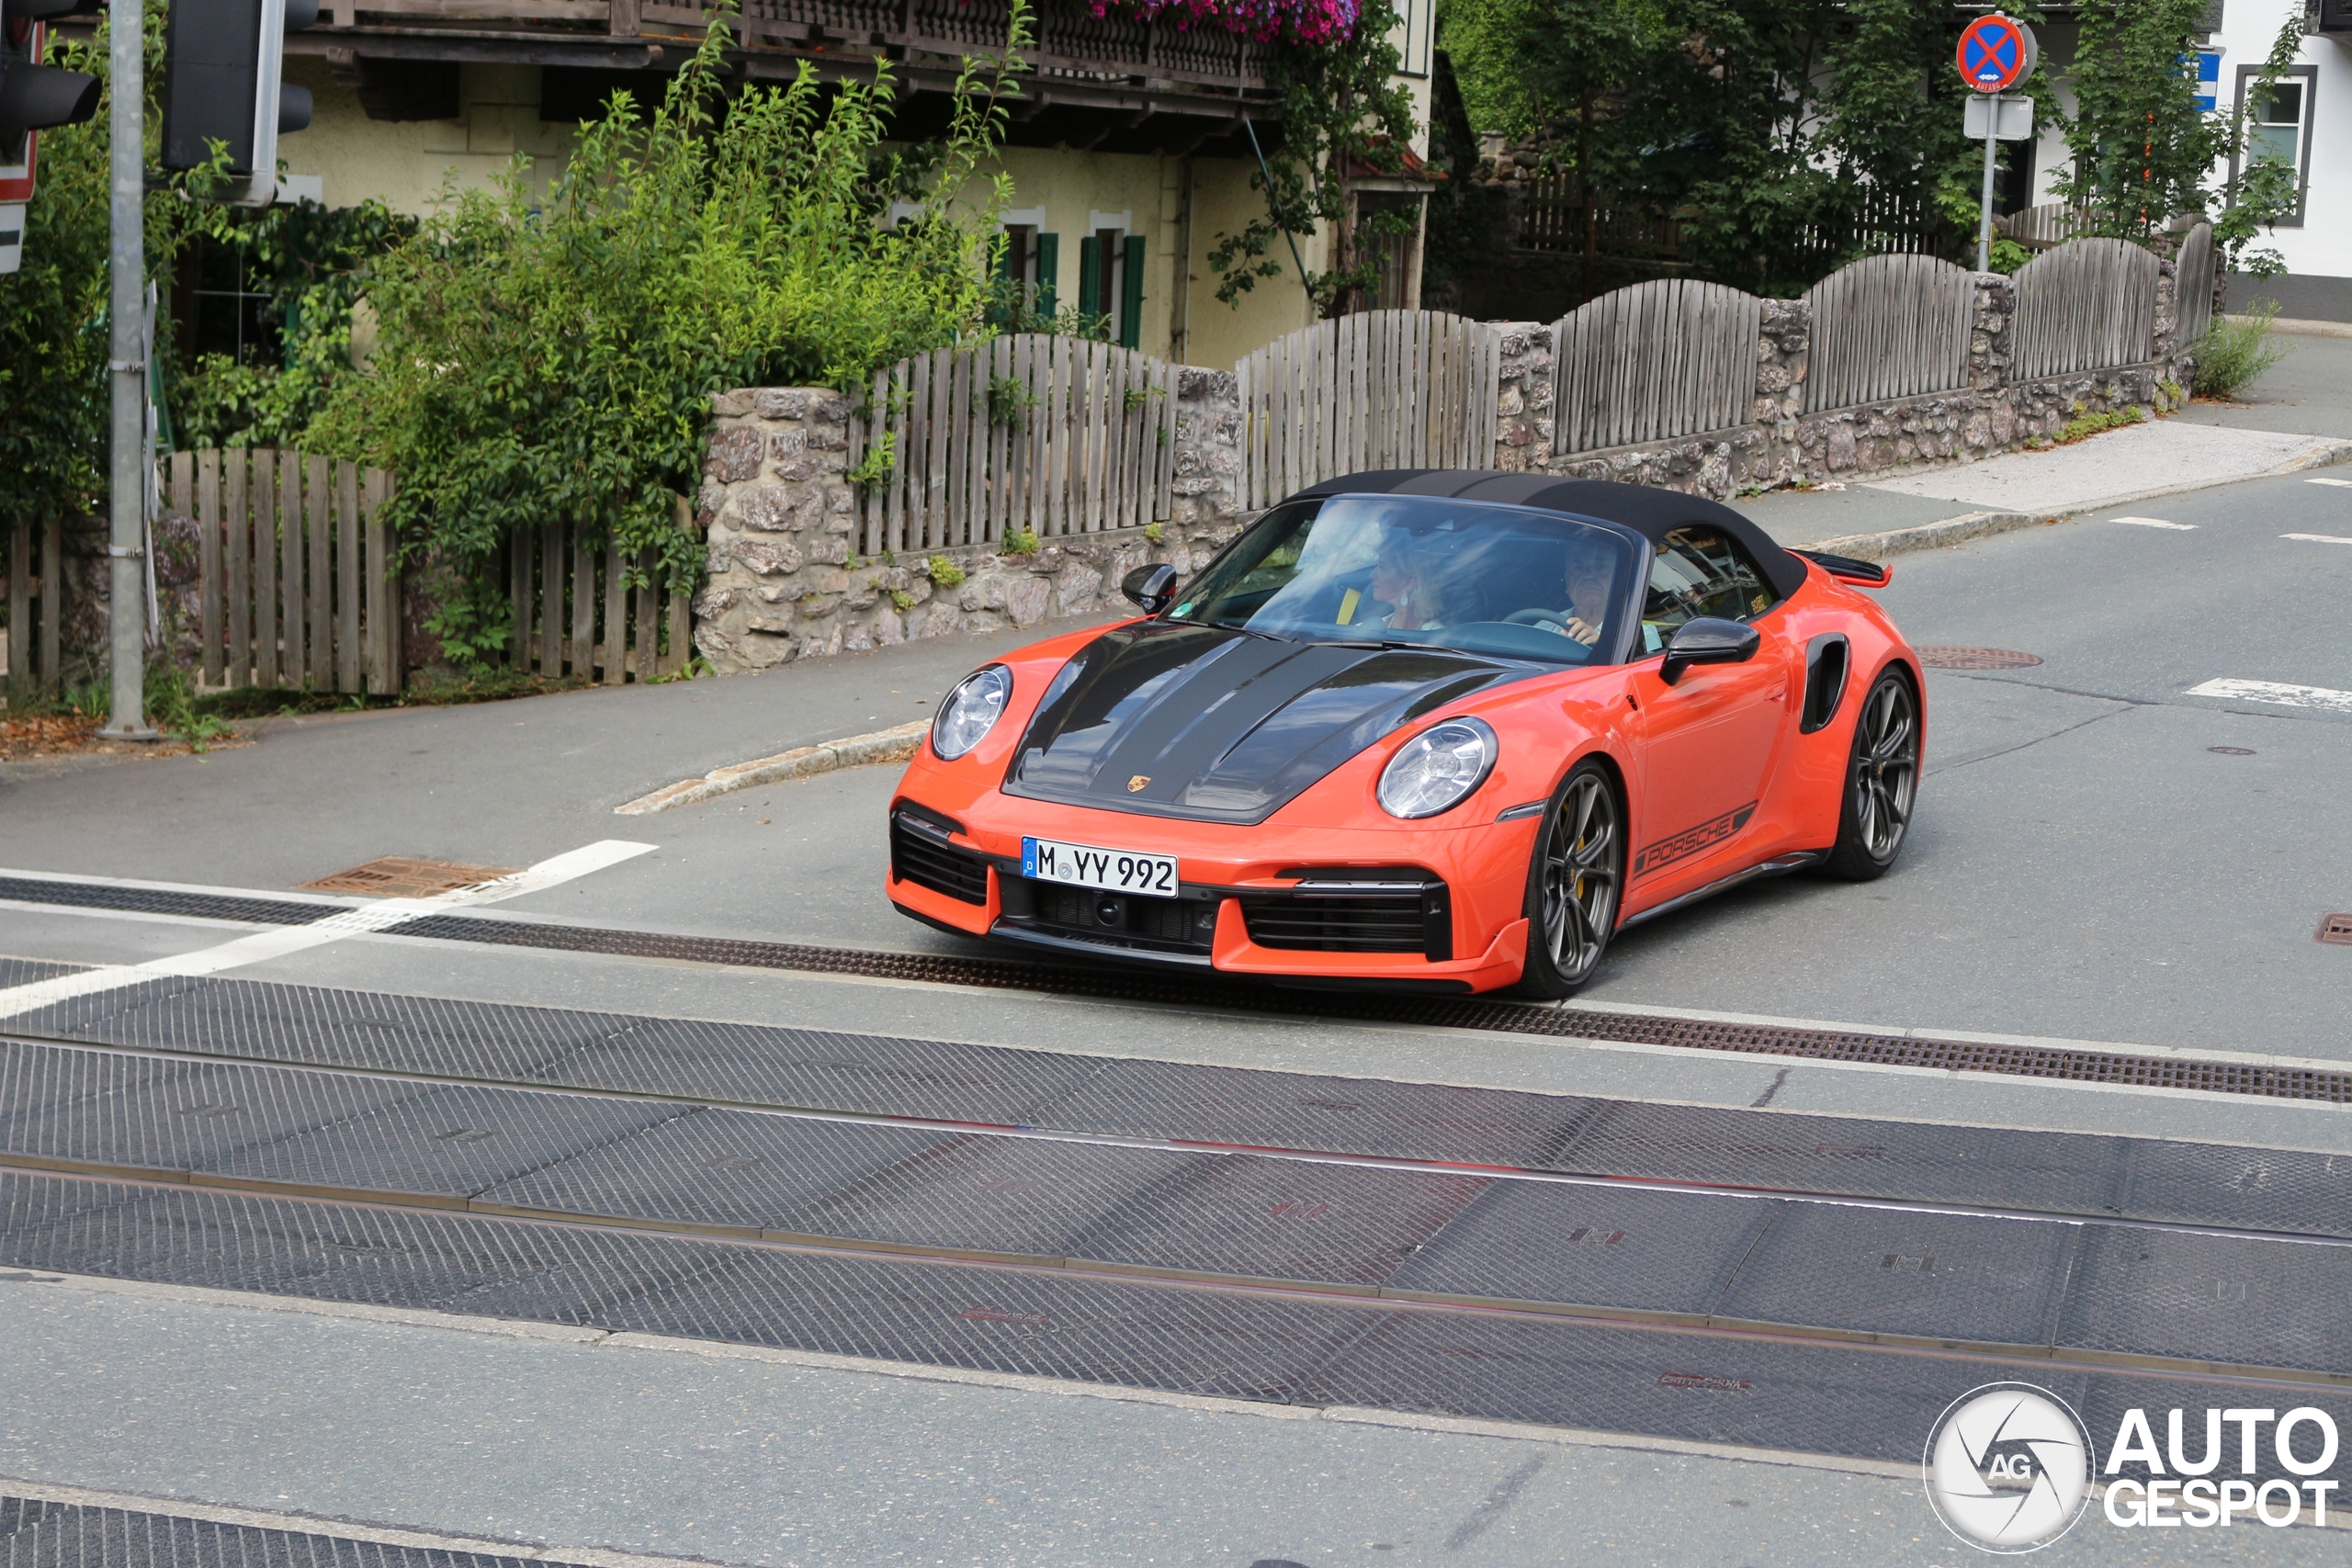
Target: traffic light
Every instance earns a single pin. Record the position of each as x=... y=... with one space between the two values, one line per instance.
x=222 y=65
x=34 y=96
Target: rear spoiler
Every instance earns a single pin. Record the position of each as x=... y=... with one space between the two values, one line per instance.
x=1845 y=569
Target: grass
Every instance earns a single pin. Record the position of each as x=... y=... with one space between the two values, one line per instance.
x=2231 y=353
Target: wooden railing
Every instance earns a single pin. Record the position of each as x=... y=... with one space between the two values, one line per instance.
x=1069 y=43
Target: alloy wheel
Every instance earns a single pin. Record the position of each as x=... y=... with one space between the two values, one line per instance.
x=1580 y=875
x=1886 y=768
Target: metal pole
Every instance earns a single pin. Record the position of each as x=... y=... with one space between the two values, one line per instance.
x=127 y=375
x=1985 y=219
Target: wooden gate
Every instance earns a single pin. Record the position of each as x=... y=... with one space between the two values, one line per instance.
x=297 y=576
x=1653 y=362
x=1894 y=326
x=2193 y=286
x=1029 y=433
x=36 y=599
x=2088 y=305
x=1377 y=389
x=584 y=608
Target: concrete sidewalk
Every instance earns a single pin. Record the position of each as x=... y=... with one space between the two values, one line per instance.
x=1938 y=507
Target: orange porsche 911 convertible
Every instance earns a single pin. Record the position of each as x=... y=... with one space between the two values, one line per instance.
x=1439 y=730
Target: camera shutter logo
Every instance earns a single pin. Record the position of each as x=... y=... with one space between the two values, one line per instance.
x=2008 y=1467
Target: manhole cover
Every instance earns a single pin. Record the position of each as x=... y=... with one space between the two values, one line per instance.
x=398 y=876
x=2335 y=928
x=1976 y=659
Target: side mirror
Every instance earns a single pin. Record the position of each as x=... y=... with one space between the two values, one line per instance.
x=1151 y=587
x=1708 y=640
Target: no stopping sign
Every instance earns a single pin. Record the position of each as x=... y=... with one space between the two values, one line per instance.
x=1996 y=53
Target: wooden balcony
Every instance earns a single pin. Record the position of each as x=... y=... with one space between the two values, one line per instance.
x=1112 y=83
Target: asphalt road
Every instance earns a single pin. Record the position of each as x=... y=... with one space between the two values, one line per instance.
x=2084 y=866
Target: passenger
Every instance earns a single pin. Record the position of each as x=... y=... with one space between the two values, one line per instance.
x=1396 y=583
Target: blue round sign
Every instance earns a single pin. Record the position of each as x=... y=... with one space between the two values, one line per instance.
x=1994 y=53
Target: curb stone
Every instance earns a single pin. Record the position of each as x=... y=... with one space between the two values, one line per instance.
x=894 y=745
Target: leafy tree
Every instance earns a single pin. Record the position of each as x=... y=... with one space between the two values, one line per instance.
x=308 y=260
x=1339 y=109
x=2144 y=155
x=541 y=361
x=54 y=408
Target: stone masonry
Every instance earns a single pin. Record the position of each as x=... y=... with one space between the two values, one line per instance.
x=786 y=579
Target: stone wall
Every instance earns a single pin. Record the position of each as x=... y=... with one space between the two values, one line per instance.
x=786 y=578
x=782 y=520
x=1783 y=445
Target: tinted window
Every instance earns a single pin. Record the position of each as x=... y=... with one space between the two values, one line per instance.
x=1696 y=571
x=1418 y=571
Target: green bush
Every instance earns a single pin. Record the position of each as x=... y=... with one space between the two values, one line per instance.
x=945 y=573
x=544 y=360
x=2233 y=352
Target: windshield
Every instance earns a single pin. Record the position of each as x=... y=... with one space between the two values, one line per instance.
x=1424 y=572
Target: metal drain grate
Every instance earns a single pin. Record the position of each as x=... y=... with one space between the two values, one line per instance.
x=399 y=876
x=2336 y=928
x=37 y=1534
x=2330 y=1084
x=1954 y=658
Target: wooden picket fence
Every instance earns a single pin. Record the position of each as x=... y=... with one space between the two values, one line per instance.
x=2193 y=284
x=1657 y=360
x=2087 y=305
x=582 y=607
x=1030 y=432
x=1890 y=326
x=1376 y=390
x=297 y=576
x=36 y=602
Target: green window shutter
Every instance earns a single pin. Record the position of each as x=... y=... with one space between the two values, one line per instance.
x=1090 y=276
x=1008 y=298
x=1050 y=257
x=1131 y=291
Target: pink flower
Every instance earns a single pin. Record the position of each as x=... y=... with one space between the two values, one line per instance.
x=1292 y=21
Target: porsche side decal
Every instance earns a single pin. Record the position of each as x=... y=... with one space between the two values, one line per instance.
x=1692 y=841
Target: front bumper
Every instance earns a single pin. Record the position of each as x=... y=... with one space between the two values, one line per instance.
x=1424 y=910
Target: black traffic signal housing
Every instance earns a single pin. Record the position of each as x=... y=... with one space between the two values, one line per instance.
x=222 y=62
x=34 y=96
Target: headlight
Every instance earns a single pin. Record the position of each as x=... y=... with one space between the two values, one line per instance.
x=1437 y=769
x=970 y=711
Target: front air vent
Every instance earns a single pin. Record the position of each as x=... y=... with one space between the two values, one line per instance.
x=920 y=853
x=1353 y=911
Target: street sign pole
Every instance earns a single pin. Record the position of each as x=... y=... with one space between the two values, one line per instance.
x=1996 y=53
x=126 y=368
x=1984 y=210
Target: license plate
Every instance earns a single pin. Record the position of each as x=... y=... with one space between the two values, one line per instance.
x=1082 y=866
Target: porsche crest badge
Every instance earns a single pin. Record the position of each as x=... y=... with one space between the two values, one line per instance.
x=1137 y=783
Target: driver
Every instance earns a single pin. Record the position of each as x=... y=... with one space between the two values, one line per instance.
x=1589 y=578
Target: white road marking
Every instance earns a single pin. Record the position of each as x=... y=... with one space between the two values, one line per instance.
x=2340 y=484
x=280 y=941
x=2278 y=693
x=2156 y=522
x=2319 y=538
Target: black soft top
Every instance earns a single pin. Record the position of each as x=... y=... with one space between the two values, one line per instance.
x=1649 y=512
